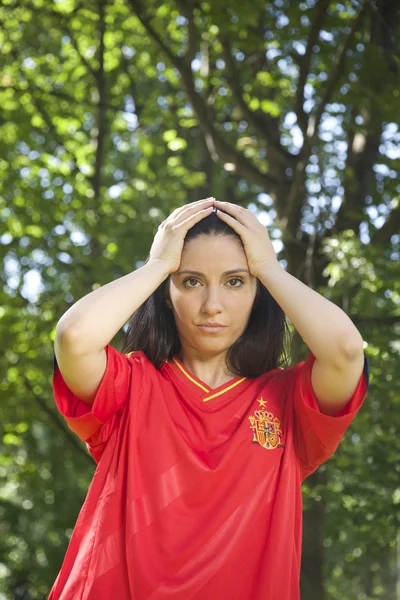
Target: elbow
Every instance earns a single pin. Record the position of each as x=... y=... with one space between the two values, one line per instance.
x=65 y=331
x=353 y=346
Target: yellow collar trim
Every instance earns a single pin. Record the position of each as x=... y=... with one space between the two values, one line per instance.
x=203 y=387
x=188 y=376
x=225 y=390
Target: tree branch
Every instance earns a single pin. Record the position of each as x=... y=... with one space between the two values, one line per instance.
x=304 y=61
x=362 y=153
x=33 y=88
x=186 y=9
x=53 y=416
x=101 y=112
x=218 y=148
x=390 y=227
x=297 y=194
x=43 y=113
x=255 y=118
x=41 y=110
x=335 y=72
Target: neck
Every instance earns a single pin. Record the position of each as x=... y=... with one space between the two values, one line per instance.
x=211 y=369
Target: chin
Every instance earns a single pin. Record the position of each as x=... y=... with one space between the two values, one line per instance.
x=212 y=346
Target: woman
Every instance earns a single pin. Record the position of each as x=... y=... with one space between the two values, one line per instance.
x=201 y=438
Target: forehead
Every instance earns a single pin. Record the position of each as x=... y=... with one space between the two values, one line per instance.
x=212 y=251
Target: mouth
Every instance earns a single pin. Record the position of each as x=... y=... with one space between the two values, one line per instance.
x=211 y=328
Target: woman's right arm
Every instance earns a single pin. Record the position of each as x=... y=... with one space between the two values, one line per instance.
x=92 y=322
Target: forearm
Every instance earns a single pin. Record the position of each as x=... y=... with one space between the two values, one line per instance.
x=97 y=317
x=324 y=327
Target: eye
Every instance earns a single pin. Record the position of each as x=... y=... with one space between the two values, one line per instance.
x=236 y=279
x=189 y=279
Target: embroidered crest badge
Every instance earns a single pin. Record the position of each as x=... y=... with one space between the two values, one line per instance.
x=266 y=428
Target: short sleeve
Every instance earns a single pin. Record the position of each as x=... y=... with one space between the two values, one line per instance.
x=95 y=424
x=317 y=435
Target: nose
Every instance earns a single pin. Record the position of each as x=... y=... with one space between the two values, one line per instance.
x=212 y=302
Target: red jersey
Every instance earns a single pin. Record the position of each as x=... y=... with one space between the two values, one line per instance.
x=197 y=491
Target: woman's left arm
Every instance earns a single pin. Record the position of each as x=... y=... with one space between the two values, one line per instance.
x=328 y=332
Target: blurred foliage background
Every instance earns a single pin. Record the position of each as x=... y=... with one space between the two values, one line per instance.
x=112 y=114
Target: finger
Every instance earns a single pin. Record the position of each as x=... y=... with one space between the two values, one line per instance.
x=238 y=212
x=191 y=205
x=201 y=200
x=194 y=218
x=229 y=204
x=196 y=202
x=232 y=222
x=188 y=209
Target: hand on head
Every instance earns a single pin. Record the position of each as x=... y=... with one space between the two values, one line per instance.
x=168 y=241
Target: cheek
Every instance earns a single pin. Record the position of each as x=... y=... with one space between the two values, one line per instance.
x=244 y=301
x=184 y=306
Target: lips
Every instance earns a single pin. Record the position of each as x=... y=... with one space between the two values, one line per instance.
x=211 y=328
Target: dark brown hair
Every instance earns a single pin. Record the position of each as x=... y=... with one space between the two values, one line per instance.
x=259 y=349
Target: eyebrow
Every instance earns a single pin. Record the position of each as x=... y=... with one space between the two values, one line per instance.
x=230 y=272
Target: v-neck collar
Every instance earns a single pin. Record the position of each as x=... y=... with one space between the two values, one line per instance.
x=201 y=390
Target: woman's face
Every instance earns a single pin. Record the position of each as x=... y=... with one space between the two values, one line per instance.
x=201 y=290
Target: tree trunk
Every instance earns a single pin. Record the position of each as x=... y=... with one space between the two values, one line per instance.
x=313 y=556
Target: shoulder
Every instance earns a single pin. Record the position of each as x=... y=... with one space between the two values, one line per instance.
x=139 y=360
x=135 y=355
x=139 y=357
x=281 y=378
x=273 y=377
